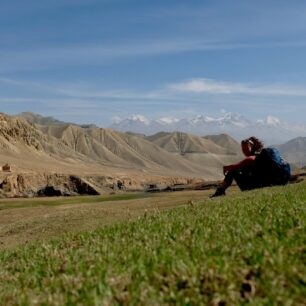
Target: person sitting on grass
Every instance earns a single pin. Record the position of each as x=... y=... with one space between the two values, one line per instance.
x=261 y=167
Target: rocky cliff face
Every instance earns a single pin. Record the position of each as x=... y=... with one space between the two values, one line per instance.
x=29 y=185
x=33 y=185
x=14 y=131
x=17 y=135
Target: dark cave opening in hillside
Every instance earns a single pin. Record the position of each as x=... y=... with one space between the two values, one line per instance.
x=49 y=191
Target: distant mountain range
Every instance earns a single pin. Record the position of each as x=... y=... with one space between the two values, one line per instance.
x=271 y=130
x=45 y=156
x=163 y=152
x=31 y=141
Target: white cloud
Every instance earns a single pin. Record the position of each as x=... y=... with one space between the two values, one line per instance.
x=168 y=101
x=193 y=89
x=209 y=86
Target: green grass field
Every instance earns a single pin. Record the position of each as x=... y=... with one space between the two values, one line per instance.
x=56 y=201
x=244 y=249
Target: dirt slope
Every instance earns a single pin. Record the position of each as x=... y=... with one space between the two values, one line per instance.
x=197 y=150
x=183 y=143
x=295 y=151
x=227 y=142
x=27 y=149
x=124 y=150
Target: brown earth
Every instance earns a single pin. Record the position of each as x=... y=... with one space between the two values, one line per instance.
x=211 y=153
x=227 y=142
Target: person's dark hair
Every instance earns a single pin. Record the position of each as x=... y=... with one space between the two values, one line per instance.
x=257 y=144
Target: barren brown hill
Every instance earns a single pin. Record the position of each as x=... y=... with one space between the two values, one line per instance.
x=124 y=150
x=183 y=143
x=71 y=149
x=201 y=152
x=66 y=159
x=19 y=136
x=41 y=164
x=100 y=158
x=227 y=142
x=27 y=149
x=294 y=151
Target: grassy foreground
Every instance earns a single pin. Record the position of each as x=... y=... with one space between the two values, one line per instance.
x=247 y=249
x=56 y=201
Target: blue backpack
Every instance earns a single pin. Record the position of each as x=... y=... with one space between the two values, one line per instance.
x=272 y=167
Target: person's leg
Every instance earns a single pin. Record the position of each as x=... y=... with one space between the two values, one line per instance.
x=227 y=181
x=244 y=178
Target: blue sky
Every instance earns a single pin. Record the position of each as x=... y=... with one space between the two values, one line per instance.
x=89 y=60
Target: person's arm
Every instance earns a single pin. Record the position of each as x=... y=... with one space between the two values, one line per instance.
x=244 y=163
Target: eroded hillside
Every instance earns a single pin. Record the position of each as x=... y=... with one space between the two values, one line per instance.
x=55 y=149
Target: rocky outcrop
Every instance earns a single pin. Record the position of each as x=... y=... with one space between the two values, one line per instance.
x=40 y=185
x=13 y=130
x=33 y=185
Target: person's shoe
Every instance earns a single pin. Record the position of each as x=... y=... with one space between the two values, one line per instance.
x=218 y=193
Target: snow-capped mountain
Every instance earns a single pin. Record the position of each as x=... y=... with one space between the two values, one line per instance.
x=271 y=130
